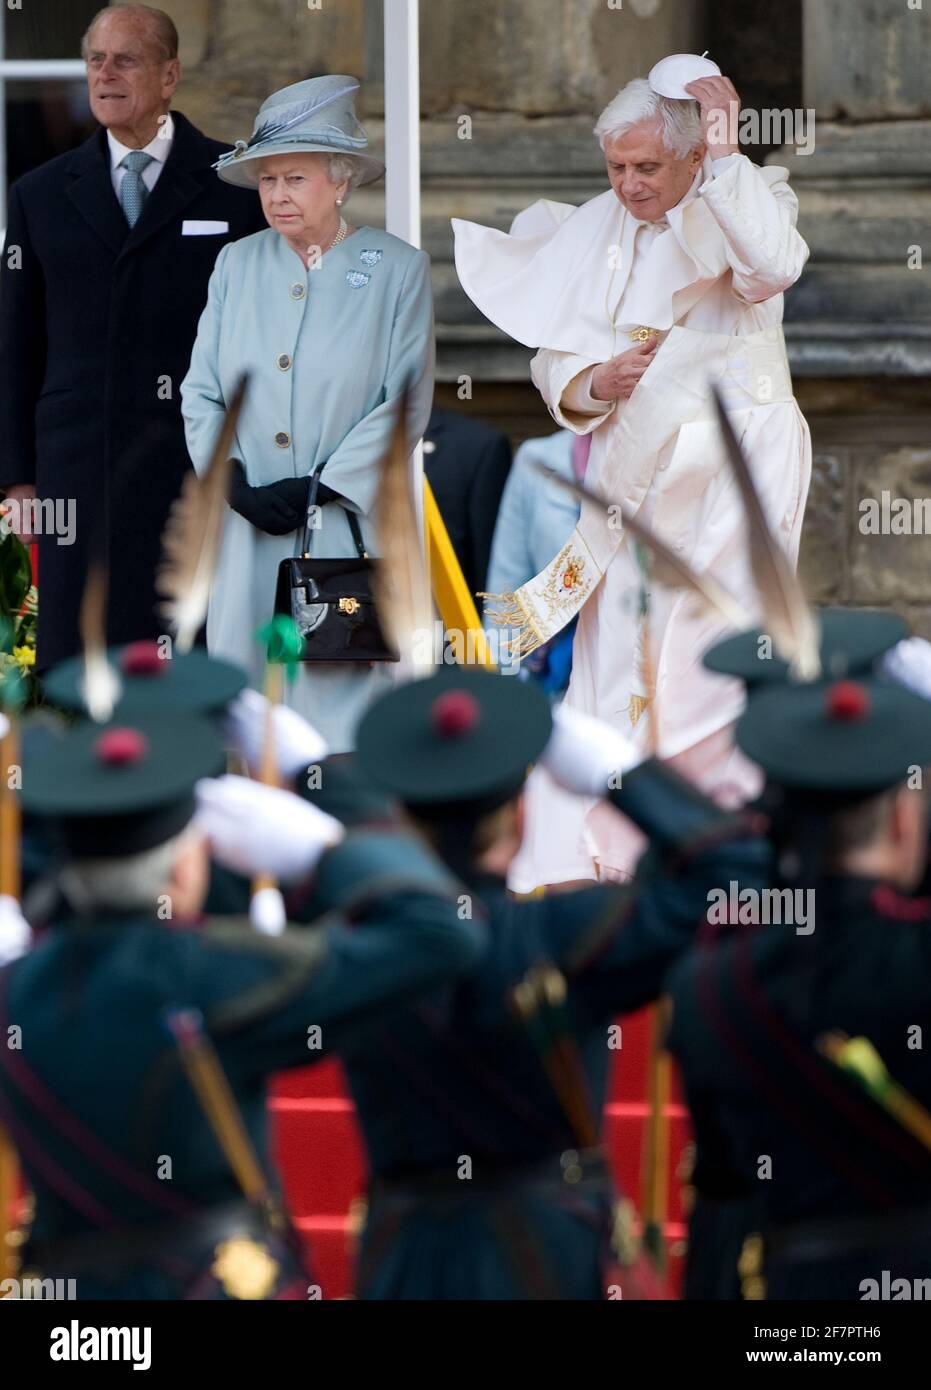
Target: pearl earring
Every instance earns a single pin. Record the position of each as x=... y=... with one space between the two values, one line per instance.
x=339 y=202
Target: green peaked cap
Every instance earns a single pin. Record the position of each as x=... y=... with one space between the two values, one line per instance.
x=858 y=736
x=463 y=735
x=123 y=787
x=191 y=681
x=851 y=641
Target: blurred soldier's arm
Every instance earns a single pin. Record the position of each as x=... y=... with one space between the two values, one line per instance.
x=616 y=942
x=388 y=927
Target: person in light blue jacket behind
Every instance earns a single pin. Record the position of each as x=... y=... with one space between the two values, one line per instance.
x=333 y=324
x=535 y=519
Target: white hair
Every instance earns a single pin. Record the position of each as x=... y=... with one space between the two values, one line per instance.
x=344 y=166
x=132 y=882
x=680 y=121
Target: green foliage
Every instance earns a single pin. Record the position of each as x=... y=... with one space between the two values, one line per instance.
x=18 y=608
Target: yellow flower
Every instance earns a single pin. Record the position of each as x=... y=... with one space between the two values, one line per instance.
x=24 y=656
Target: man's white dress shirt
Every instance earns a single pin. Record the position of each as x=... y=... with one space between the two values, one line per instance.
x=159 y=148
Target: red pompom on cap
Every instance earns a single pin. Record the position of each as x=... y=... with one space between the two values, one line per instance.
x=121 y=747
x=143 y=659
x=847 y=701
x=455 y=713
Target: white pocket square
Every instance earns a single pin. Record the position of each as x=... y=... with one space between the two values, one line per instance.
x=194 y=228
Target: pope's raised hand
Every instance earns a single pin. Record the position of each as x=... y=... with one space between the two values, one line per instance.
x=615 y=380
x=720 y=112
x=298 y=745
x=255 y=830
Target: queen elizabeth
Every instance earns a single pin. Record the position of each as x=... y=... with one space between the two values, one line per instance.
x=333 y=323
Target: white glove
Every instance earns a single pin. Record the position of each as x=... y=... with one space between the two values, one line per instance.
x=15 y=931
x=585 y=755
x=254 y=829
x=297 y=743
x=908 y=663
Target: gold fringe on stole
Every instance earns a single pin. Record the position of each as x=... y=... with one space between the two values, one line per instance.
x=513 y=614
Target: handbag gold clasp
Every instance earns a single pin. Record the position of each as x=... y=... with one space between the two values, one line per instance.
x=349 y=605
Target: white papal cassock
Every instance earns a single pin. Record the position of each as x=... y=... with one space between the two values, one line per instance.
x=576 y=283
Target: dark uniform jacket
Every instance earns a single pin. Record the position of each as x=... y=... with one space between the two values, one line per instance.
x=475 y=1192
x=97 y=322
x=129 y=1180
x=841 y=1191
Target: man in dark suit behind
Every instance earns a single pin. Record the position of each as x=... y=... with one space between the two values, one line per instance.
x=467 y=463
x=104 y=275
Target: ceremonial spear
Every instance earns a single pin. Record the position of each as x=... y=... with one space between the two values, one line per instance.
x=11 y=699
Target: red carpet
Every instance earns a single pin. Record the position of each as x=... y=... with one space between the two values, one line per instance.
x=318 y=1148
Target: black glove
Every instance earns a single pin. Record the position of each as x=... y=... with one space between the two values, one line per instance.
x=262 y=507
x=277 y=508
x=293 y=493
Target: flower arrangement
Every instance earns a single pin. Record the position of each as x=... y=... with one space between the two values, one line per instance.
x=18 y=610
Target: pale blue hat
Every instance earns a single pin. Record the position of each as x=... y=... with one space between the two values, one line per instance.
x=316 y=116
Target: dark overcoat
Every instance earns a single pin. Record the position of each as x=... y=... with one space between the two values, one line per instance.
x=97 y=322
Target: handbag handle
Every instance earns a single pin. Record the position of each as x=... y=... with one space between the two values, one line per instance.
x=311 y=517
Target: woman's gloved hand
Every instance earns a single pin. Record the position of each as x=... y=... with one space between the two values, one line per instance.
x=261 y=506
x=276 y=508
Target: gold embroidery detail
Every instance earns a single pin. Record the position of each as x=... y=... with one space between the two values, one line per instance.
x=566 y=586
x=511 y=613
x=557 y=593
x=572 y=574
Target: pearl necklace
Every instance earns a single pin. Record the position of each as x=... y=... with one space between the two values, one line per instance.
x=341 y=234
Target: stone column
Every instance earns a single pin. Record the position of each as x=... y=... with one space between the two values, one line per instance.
x=864 y=305
x=858 y=324
x=237 y=53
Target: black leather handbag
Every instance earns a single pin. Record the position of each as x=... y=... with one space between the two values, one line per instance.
x=331 y=601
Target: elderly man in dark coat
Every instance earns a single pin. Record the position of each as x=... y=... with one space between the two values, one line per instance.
x=104 y=275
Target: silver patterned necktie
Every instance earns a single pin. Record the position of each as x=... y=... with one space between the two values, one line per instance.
x=133 y=191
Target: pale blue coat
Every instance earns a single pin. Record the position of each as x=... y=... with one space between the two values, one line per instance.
x=357 y=330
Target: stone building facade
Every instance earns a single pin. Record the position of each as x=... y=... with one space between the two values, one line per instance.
x=530 y=75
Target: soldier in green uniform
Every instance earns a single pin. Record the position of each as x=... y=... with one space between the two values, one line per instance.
x=145 y=677
x=481 y=1105
x=136 y=1196
x=839 y=1184
x=852 y=642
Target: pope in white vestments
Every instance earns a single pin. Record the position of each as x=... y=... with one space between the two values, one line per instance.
x=636 y=301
